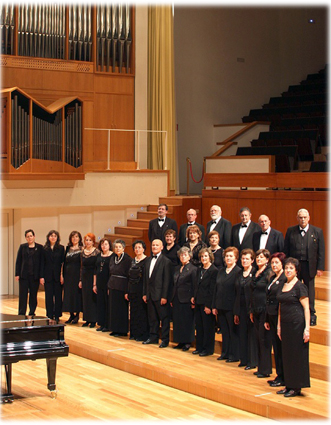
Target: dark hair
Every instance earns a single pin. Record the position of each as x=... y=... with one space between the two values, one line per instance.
x=280 y=255
x=209 y=251
x=195 y=228
x=142 y=243
x=163 y=205
x=73 y=233
x=231 y=249
x=170 y=232
x=102 y=241
x=247 y=251
x=57 y=243
x=28 y=231
x=244 y=209
x=294 y=261
x=264 y=252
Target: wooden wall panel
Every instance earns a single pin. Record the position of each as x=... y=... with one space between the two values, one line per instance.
x=280 y=206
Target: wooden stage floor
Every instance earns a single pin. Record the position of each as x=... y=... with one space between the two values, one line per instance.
x=205 y=378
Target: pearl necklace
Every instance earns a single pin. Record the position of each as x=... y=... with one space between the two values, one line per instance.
x=120 y=259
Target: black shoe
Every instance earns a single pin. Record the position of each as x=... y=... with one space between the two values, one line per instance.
x=84 y=325
x=250 y=367
x=71 y=318
x=92 y=325
x=283 y=391
x=313 y=322
x=262 y=375
x=222 y=357
x=256 y=373
x=100 y=329
x=292 y=393
x=105 y=330
x=186 y=347
x=196 y=352
x=151 y=341
x=204 y=354
x=75 y=320
x=180 y=345
x=140 y=339
x=163 y=344
x=57 y=320
x=132 y=337
x=277 y=384
x=241 y=365
x=114 y=334
x=231 y=360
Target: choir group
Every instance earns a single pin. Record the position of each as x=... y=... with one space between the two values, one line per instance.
x=246 y=281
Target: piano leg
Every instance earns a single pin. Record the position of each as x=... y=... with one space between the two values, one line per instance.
x=8 y=396
x=51 y=372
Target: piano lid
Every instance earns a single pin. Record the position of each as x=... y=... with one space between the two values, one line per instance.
x=8 y=321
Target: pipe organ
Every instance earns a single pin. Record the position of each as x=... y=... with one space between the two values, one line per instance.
x=70 y=32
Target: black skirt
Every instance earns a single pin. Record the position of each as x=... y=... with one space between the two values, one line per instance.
x=183 y=321
x=118 y=312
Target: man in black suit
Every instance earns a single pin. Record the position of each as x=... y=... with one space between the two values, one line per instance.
x=28 y=272
x=191 y=217
x=157 y=280
x=242 y=233
x=158 y=226
x=306 y=243
x=267 y=238
x=221 y=225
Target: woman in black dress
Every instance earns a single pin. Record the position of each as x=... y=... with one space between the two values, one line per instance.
x=28 y=272
x=72 y=298
x=88 y=280
x=183 y=313
x=203 y=297
x=118 y=306
x=247 y=338
x=52 y=276
x=214 y=240
x=277 y=280
x=102 y=276
x=294 y=330
x=139 y=328
x=259 y=286
x=223 y=302
x=194 y=243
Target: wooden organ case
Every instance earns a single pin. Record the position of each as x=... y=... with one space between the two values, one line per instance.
x=64 y=69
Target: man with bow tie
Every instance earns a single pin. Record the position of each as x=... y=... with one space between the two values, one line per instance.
x=267 y=238
x=191 y=217
x=157 y=284
x=220 y=225
x=306 y=243
x=158 y=226
x=242 y=233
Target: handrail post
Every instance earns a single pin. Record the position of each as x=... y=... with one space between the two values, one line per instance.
x=108 y=153
x=137 y=151
x=187 y=176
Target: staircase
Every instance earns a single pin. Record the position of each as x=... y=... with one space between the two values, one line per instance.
x=137 y=228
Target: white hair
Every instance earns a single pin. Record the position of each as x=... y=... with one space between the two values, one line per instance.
x=302 y=210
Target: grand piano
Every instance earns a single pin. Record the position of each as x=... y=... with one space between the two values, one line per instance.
x=31 y=338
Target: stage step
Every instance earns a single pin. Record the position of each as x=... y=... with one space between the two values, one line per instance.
x=143 y=224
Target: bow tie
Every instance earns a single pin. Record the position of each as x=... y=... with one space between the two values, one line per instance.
x=264 y=233
x=161 y=219
x=213 y=222
x=189 y=224
x=303 y=232
x=244 y=225
x=154 y=256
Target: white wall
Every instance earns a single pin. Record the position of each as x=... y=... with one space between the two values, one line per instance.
x=278 y=47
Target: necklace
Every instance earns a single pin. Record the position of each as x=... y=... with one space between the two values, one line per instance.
x=117 y=261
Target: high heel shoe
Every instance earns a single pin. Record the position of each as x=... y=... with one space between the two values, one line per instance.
x=71 y=318
x=75 y=320
x=84 y=325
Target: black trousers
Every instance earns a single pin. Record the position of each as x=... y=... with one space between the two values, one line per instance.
x=247 y=340
x=310 y=283
x=230 y=335
x=263 y=344
x=158 y=313
x=28 y=286
x=205 y=330
x=277 y=346
x=53 y=299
